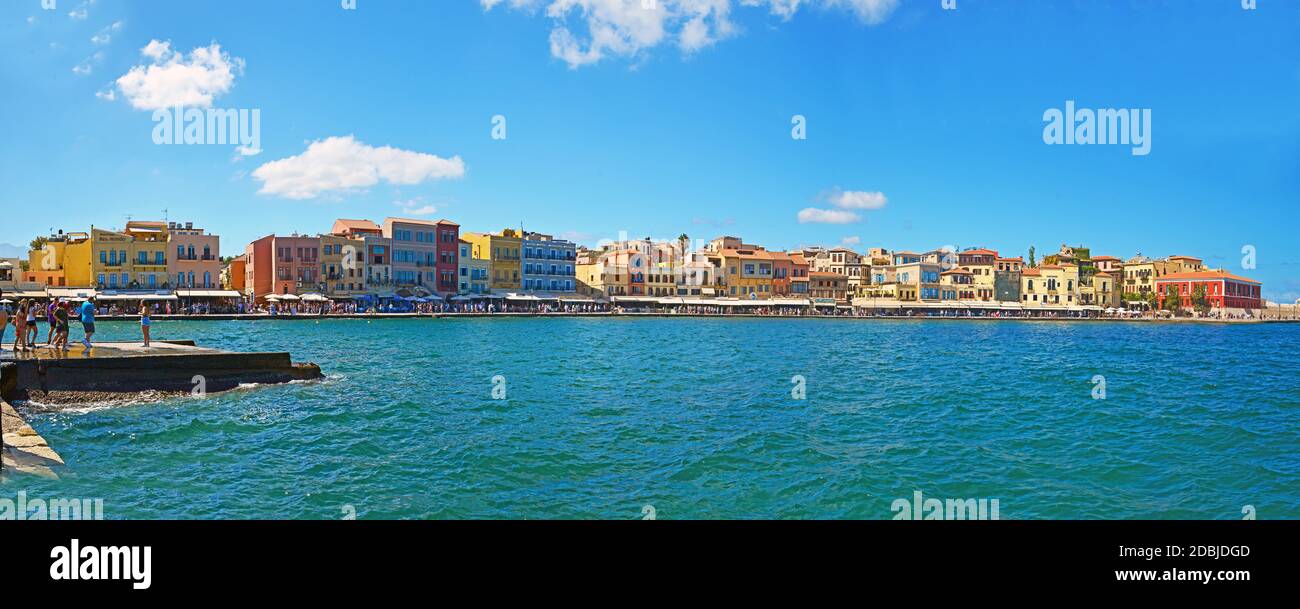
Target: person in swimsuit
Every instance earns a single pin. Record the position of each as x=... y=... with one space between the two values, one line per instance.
x=49 y=318
x=144 y=322
x=33 y=332
x=20 y=327
x=4 y=321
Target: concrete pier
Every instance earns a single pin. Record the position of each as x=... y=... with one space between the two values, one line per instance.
x=53 y=376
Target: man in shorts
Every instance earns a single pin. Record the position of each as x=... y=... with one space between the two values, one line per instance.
x=88 y=321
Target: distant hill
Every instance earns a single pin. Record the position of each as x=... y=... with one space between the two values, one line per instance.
x=8 y=250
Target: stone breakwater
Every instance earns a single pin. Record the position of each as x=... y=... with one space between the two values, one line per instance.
x=24 y=450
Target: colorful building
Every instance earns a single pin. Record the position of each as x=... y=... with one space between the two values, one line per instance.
x=342 y=266
x=1050 y=285
x=135 y=258
x=827 y=286
x=475 y=271
x=195 y=260
x=233 y=274
x=749 y=272
x=1141 y=273
x=62 y=261
x=375 y=250
x=957 y=284
x=502 y=250
x=982 y=264
x=1223 y=290
x=548 y=264
x=423 y=254
x=282 y=265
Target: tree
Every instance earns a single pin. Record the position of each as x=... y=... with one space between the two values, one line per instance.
x=1173 y=299
x=1031 y=257
x=1200 y=299
x=1152 y=300
x=38 y=244
x=682 y=240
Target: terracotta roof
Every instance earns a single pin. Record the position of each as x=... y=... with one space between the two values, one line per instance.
x=1204 y=275
x=1096 y=258
x=1031 y=273
x=1185 y=258
x=979 y=252
x=957 y=271
x=357 y=224
x=1016 y=259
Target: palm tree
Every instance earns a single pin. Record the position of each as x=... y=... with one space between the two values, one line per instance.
x=682 y=240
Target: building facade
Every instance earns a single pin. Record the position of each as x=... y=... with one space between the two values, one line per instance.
x=548 y=264
x=1223 y=290
x=195 y=257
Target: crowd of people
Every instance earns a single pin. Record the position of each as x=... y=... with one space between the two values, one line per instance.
x=57 y=315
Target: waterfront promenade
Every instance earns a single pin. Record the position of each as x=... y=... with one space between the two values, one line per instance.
x=617 y=314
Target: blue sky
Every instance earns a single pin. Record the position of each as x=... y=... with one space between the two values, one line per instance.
x=680 y=122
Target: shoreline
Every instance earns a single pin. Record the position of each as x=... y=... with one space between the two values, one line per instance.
x=508 y=315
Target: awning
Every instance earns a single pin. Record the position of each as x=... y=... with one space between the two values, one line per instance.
x=208 y=294
x=313 y=298
x=70 y=292
x=289 y=297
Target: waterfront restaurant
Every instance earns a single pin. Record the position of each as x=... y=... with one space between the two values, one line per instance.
x=1222 y=289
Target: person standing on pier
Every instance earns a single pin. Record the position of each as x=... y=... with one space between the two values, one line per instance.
x=4 y=320
x=20 y=326
x=61 y=315
x=49 y=318
x=144 y=321
x=33 y=332
x=88 y=321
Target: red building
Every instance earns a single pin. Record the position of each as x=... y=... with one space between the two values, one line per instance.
x=448 y=257
x=282 y=265
x=1222 y=289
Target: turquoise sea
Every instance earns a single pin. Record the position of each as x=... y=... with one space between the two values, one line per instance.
x=695 y=417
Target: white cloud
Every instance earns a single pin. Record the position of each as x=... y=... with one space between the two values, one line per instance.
x=415 y=207
x=858 y=199
x=106 y=94
x=853 y=240
x=78 y=14
x=342 y=164
x=105 y=35
x=812 y=215
x=175 y=79
x=626 y=28
x=83 y=69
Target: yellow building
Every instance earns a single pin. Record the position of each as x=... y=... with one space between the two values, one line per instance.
x=1140 y=274
x=63 y=261
x=342 y=266
x=748 y=272
x=1052 y=285
x=502 y=251
x=605 y=274
x=135 y=258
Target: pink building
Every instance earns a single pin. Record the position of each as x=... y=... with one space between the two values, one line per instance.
x=424 y=254
x=194 y=260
